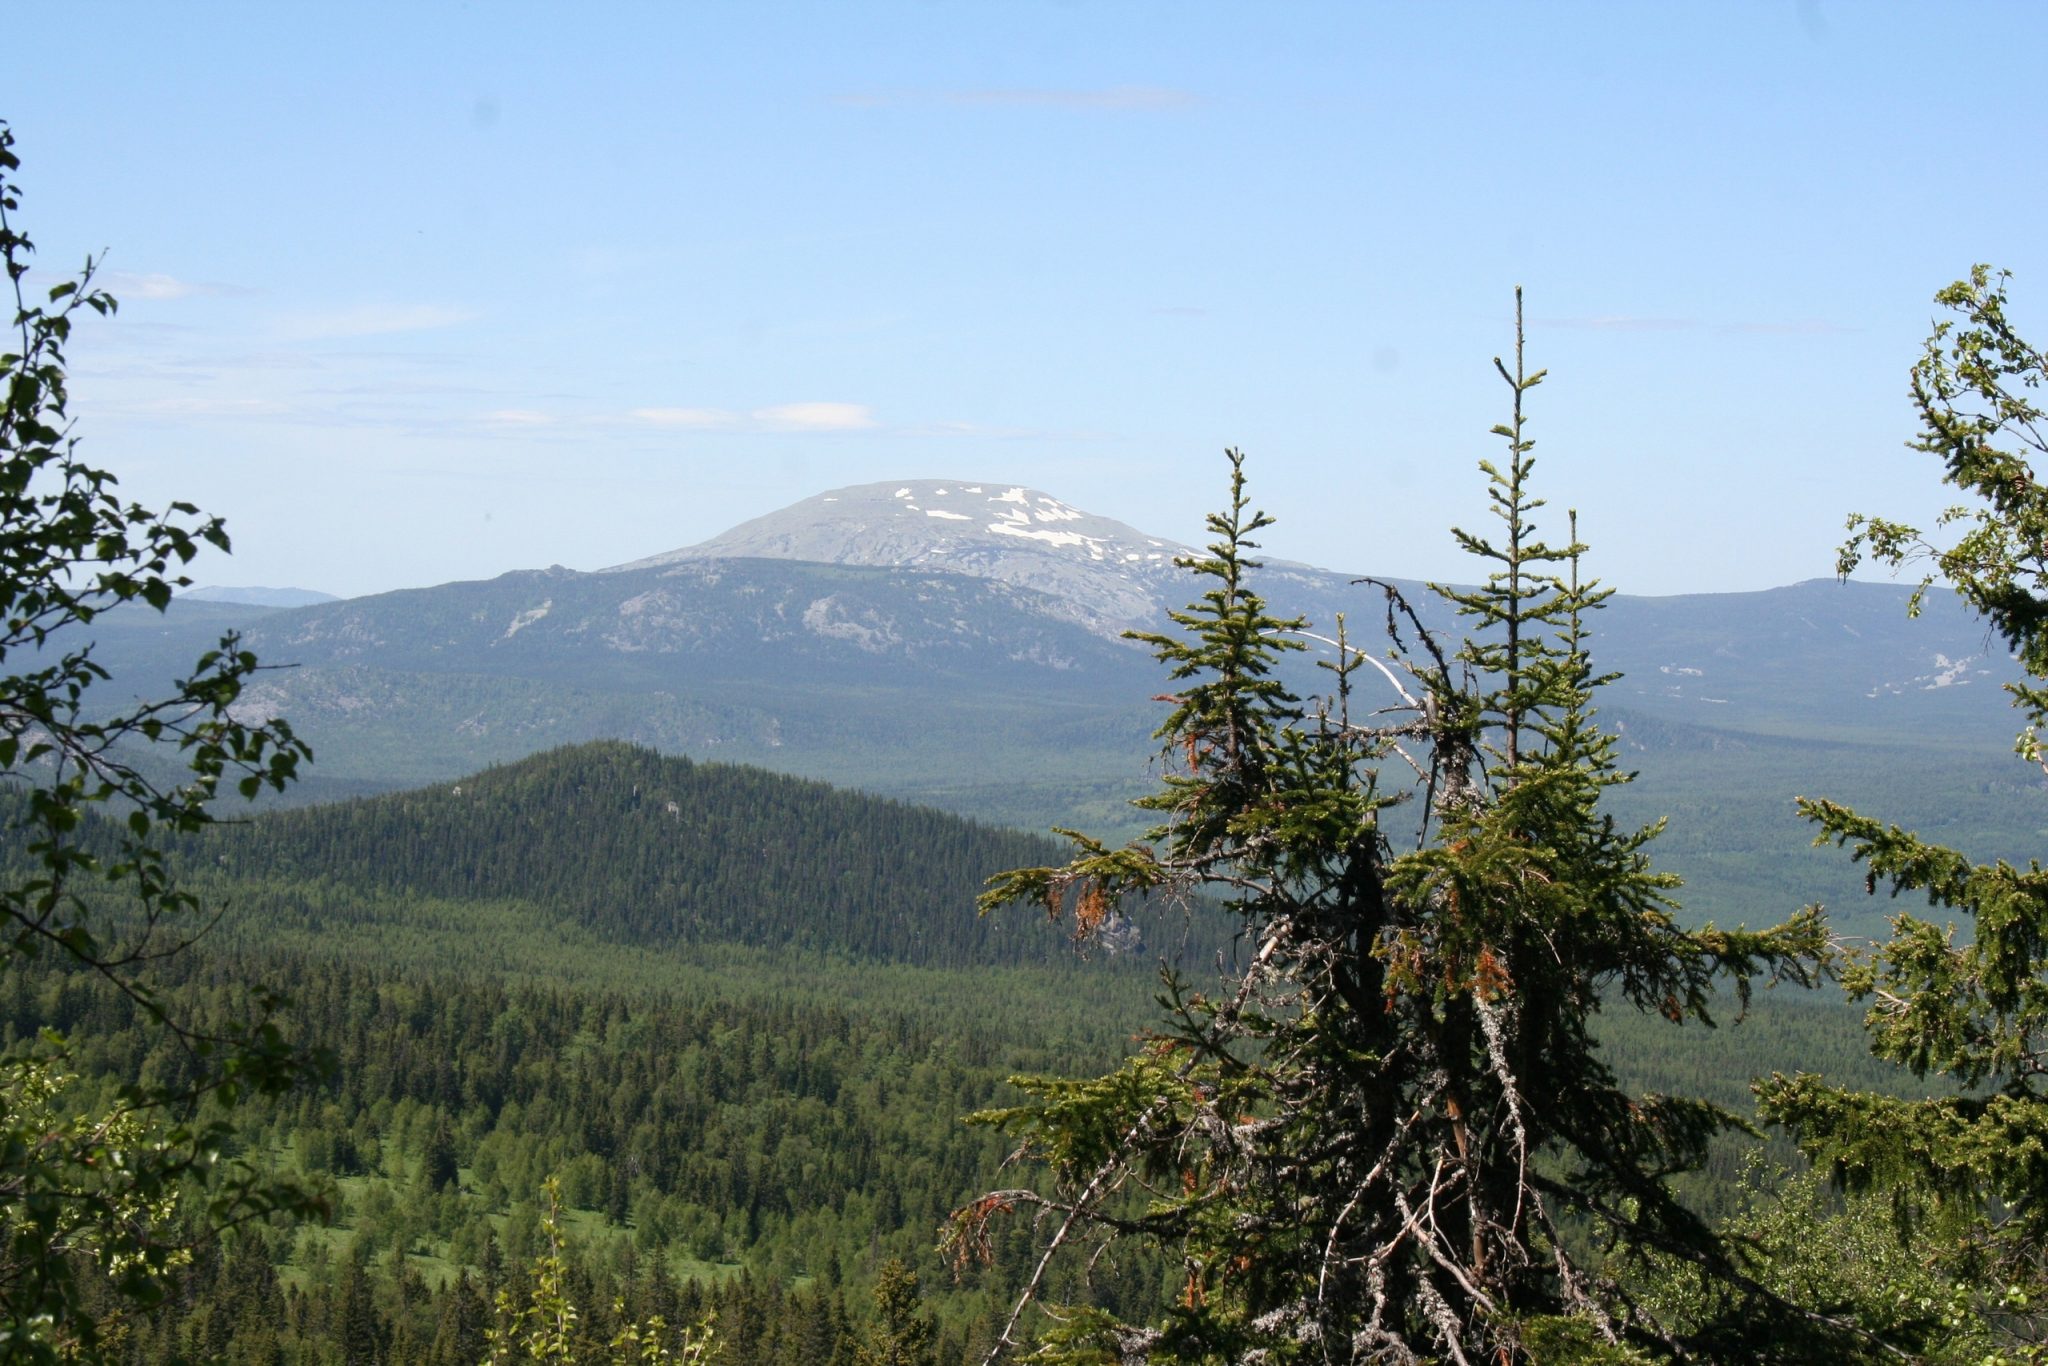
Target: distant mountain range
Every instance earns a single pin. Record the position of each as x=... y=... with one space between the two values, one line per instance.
x=1820 y=653
x=959 y=643
x=259 y=597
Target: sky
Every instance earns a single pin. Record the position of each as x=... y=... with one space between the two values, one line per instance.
x=435 y=291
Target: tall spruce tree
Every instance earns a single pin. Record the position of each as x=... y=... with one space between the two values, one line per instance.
x=1967 y=1168
x=1390 y=1136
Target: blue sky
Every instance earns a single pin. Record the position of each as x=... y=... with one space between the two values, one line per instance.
x=421 y=292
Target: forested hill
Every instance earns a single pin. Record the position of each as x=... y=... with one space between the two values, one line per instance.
x=648 y=849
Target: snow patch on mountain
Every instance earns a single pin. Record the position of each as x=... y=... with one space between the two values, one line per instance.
x=1049 y=537
x=1946 y=673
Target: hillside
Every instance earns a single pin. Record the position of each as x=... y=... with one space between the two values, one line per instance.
x=642 y=849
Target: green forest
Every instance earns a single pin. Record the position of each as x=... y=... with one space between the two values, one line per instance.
x=735 y=1126
x=1387 y=1041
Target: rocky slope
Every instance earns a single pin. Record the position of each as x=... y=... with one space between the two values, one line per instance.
x=1100 y=573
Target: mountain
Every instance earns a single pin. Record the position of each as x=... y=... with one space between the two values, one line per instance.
x=960 y=644
x=1100 y=573
x=1819 y=656
x=259 y=597
x=970 y=692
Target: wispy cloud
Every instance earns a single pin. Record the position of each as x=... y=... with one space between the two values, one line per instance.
x=980 y=431
x=816 y=417
x=519 y=417
x=1621 y=322
x=1802 y=327
x=127 y=284
x=370 y=320
x=690 y=419
x=1112 y=99
x=202 y=406
x=1617 y=322
x=783 y=417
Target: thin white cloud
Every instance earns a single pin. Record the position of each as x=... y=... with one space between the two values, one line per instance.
x=127 y=284
x=977 y=431
x=690 y=419
x=201 y=406
x=1622 y=322
x=1617 y=322
x=1132 y=97
x=782 y=417
x=1113 y=99
x=519 y=417
x=816 y=417
x=1802 y=327
x=370 y=320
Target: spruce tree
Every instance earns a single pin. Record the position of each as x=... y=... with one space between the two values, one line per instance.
x=438 y=1168
x=1963 y=1008
x=901 y=1335
x=1390 y=1135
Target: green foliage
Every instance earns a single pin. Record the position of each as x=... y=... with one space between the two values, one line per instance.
x=902 y=1336
x=1968 y=1007
x=1971 y=389
x=780 y=1123
x=1391 y=1136
x=544 y=1325
x=765 y=1132
x=72 y=1199
x=1912 y=1298
x=98 y=1190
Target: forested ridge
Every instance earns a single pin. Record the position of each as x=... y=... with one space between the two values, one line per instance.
x=647 y=848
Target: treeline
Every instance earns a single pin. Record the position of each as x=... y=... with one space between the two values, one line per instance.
x=232 y=1306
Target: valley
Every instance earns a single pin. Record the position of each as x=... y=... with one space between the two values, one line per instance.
x=565 y=896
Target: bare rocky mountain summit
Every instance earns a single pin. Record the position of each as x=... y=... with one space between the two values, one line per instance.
x=1096 y=572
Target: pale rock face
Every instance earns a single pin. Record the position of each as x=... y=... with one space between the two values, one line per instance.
x=1104 y=575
